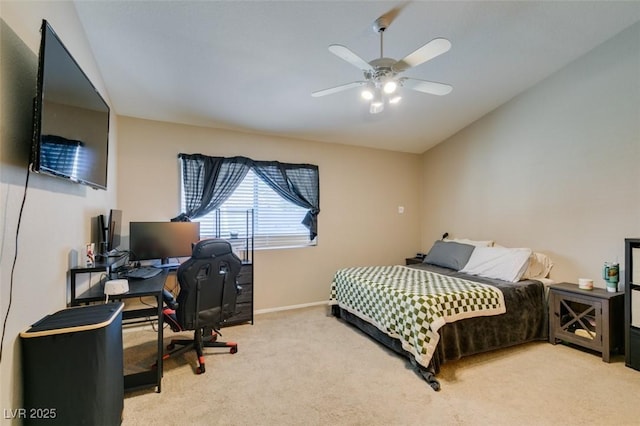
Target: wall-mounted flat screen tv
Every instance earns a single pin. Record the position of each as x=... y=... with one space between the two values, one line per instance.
x=71 y=119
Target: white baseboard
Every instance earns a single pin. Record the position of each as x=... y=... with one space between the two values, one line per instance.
x=290 y=307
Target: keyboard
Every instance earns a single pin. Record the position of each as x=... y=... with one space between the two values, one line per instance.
x=143 y=272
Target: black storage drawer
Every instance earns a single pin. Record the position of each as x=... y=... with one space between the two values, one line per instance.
x=244 y=301
x=246 y=294
x=244 y=313
x=246 y=275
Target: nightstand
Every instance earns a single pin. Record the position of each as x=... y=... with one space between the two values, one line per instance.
x=592 y=319
x=412 y=260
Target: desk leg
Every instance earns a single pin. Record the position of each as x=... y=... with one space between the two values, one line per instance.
x=153 y=376
x=160 y=341
x=73 y=288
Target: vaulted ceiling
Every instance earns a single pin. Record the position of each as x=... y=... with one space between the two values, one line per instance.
x=252 y=65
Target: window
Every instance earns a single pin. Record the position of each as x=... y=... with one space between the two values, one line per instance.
x=277 y=222
x=283 y=198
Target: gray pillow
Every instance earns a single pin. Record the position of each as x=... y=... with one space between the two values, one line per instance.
x=449 y=254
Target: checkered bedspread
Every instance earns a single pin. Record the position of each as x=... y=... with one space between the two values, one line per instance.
x=412 y=304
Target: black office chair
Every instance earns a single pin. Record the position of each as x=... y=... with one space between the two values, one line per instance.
x=206 y=299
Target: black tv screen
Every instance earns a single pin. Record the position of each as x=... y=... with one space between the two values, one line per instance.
x=71 y=119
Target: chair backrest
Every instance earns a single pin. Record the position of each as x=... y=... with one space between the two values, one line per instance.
x=213 y=268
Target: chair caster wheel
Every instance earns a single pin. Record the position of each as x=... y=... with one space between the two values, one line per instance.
x=200 y=370
x=233 y=349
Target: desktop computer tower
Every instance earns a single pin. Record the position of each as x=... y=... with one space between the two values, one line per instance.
x=72 y=366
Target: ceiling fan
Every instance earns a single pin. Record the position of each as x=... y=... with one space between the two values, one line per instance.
x=381 y=75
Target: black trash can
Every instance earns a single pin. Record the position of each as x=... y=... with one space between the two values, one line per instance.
x=72 y=367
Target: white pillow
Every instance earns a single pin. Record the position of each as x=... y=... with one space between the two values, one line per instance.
x=487 y=243
x=502 y=263
x=539 y=267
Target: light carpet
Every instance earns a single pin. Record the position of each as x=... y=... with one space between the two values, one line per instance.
x=305 y=367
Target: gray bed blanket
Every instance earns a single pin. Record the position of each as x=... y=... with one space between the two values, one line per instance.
x=526 y=320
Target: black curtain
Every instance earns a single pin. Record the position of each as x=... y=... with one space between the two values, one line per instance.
x=209 y=181
x=297 y=183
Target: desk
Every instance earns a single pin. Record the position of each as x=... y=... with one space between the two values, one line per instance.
x=104 y=267
x=137 y=288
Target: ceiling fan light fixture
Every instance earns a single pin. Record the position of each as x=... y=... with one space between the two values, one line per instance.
x=390 y=86
x=378 y=99
x=381 y=75
x=367 y=94
x=376 y=107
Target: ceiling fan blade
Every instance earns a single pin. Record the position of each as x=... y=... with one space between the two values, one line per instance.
x=435 y=47
x=388 y=17
x=346 y=54
x=425 y=86
x=337 y=89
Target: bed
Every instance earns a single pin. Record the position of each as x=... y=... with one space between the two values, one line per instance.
x=436 y=312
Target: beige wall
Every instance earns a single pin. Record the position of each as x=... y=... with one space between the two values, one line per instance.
x=56 y=221
x=360 y=192
x=555 y=169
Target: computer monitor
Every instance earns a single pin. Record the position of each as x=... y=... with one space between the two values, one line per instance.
x=162 y=240
x=114 y=230
x=110 y=230
x=102 y=234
